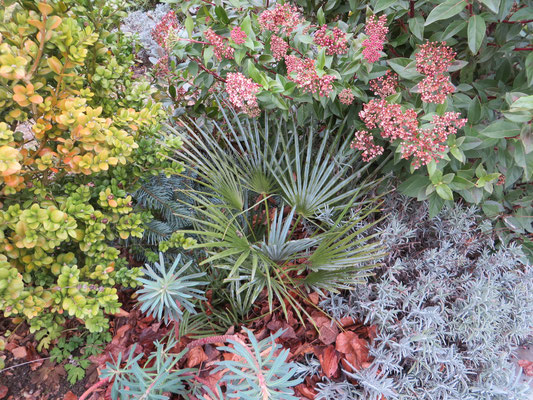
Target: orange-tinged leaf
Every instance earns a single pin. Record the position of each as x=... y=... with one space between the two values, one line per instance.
x=54 y=64
x=20 y=98
x=53 y=22
x=44 y=8
x=112 y=203
x=354 y=349
x=36 y=99
x=36 y=23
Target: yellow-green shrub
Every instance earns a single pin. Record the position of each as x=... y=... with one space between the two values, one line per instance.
x=72 y=146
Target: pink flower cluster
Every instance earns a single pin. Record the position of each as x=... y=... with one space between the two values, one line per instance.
x=390 y=119
x=161 y=31
x=365 y=142
x=429 y=144
x=278 y=47
x=238 y=35
x=376 y=31
x=306 y=77
x=346 y=96
x=433 y=60
x=385 y=85
x=423 y=145
x=242 y=93
x=161 y=67
x=335 y=41
x=283 y=18
x=222 y=49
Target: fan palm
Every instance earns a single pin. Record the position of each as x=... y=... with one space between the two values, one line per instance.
x=259 y=189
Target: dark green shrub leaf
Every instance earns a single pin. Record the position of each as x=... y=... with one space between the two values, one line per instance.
x=416 y=25
x=501 y=129
x=381 y=5
x=445 y=10
x=413 y=185
x=445 y=192
x=476 y=32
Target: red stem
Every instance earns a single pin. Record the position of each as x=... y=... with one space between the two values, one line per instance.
x=89 y=391
x=411 y=8
x=530 y=48
x=210 y=72
x=194 y=41
x=526 y=21
x=296 y=50
x=391 y=49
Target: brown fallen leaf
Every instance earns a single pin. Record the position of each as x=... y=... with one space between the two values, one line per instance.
x=19 y=352
x=196 y=356
x=527 y=367
x=314 y=298
x=305 y=391
x=329 y=361
x=122 y=313
x=327 y=329
x=354 y=348
x=328 y=333
x=70 y=396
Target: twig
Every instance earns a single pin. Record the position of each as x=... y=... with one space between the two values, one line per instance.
x=24 y=363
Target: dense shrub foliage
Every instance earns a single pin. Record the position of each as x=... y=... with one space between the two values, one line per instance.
x=405 y=75
x=293 y=120
x=77 y=133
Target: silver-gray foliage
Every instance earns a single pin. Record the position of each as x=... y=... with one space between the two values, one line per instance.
x=141 y=23
x=449 y=307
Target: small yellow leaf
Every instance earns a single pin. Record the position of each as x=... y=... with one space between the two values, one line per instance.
x=112 y=203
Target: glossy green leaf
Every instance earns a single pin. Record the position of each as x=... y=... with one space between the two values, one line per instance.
x=381 y=5
x=501 y=129
x=189 y=25
x=529 y=68
x=416 y=26
x=321 y=18
x=413 y=185
x=476 y=32
x=445 y=10
x=221 y=14
x=444 y=192
x=492 y=5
